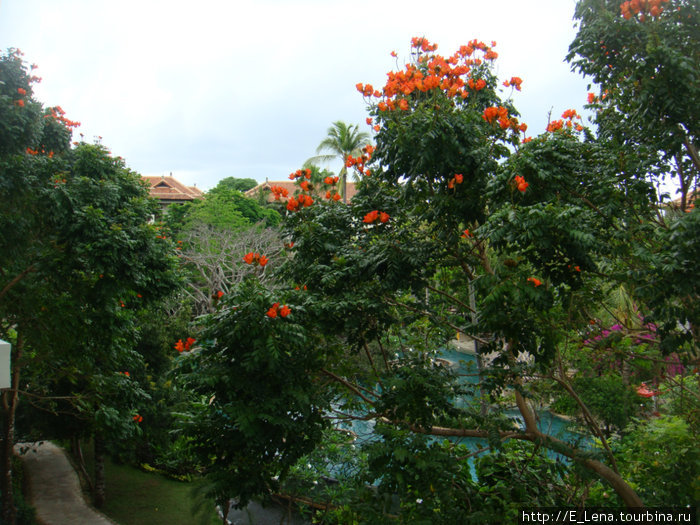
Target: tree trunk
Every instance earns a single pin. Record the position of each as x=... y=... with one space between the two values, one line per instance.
x=77 y=452
x=10 y=399
x=99 y=476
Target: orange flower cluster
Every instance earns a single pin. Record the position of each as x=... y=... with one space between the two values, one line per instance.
x=298 y=174
x=359 y=162
x=477 y=85
x=298 y=202
x=255 y=259
x=375 y=215
x=466 y=233
x=457 y=179
x=138 y=418
x=186 y=346
x=515 y=82
x=534 y=281
x=520 y=183
x=451 y=75
x=569 y=115
x=275 y=309
x=641 y=7
x=22 y=91
x=279 y=192
x=19 y=103
x=423 y=44
x=500 y=114
x=58 y=114
x=331 y=180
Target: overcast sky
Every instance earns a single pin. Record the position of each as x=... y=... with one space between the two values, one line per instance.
x=214 y=88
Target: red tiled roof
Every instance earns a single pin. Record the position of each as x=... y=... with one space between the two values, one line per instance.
x=170 y=189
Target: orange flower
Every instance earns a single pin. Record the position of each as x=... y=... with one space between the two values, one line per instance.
x=336 y=197
x=493 y=112
x=459 y=178
x=219 y=294
x=292 y=204
x=188 y=344
x=249 y=258
x=520 y=183
x=285 y=311
x=371 y=217
x=21 y=91
x=263 y=260
x=272 y=311
x=137 y=418
x=377 y=127
x=304 y=185
x=555 y=125
x=384 y=217
x=534 y=281
x=19 y=103
x=328 y=180
x=403 y=104
x=515 y=82
x=570 y=114
x=466 y=233
x=179 y=346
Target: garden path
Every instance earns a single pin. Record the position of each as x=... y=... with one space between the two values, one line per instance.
x=54 y=489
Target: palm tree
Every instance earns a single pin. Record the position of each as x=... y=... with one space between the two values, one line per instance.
x=342 y=140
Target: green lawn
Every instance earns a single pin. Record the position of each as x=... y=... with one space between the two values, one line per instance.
x=135 y=497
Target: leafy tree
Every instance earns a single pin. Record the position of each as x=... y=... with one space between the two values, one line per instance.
x=245 y=430
x=343 y=140
x=236 y=184
x=229 y=209
x=79 y=254
x=644 y=56
x=465 y=227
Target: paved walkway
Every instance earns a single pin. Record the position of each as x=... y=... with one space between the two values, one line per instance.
x=54 y=489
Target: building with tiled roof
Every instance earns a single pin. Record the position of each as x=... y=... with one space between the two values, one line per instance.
x=168 y=190
x=290 y=187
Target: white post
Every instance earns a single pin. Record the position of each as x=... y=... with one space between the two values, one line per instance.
x=5 y=375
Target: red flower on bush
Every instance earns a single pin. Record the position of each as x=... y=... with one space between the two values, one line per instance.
x=535 y=281
x=138 y=418
x=255 y=258
x=520 y=183
x=371 y=217
x=275 y=309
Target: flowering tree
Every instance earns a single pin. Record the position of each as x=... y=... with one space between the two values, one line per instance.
x=79 y=259
x=643 y=55
x=463 y=225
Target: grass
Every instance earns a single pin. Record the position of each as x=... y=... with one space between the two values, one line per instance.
x=135 y=497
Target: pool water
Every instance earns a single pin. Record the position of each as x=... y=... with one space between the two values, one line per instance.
x=465 y=366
